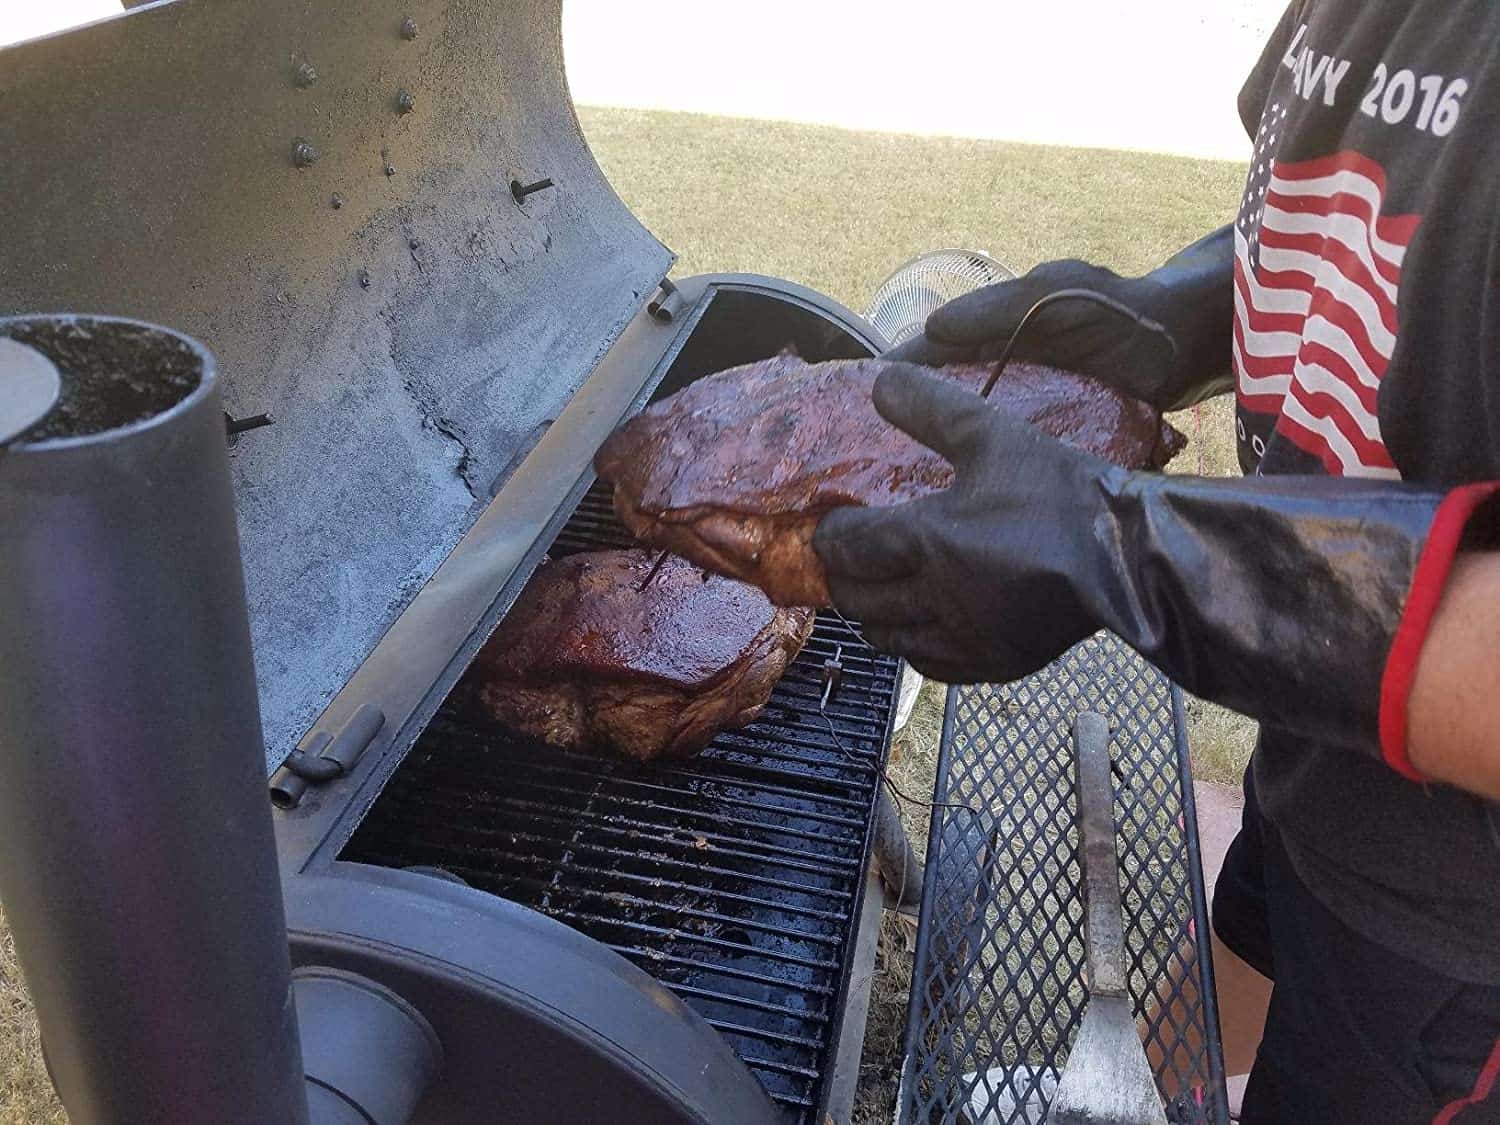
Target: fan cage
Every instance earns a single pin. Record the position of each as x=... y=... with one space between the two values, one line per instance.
x=918 y=288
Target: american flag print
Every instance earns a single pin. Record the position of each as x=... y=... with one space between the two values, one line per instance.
x=1317 y=271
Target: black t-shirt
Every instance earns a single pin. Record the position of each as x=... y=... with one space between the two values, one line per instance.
x=1367 y=343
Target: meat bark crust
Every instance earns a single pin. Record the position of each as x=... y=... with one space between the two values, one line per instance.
x=588 y=660
x=735 y=470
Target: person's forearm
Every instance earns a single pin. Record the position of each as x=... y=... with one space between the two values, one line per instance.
x=1201 y=276
x=1453 y=710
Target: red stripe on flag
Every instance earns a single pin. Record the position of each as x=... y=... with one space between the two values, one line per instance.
x=1261 y=367
x=1338 y=367
x=1346 y=261
x=1267 y=321
x=1327 y=305
x=1310 y=442
x=1340 y=203
x=1346 y=161
x=1285 y=281
x=1326 y=408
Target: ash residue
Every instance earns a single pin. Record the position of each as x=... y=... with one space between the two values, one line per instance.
x=113 y=372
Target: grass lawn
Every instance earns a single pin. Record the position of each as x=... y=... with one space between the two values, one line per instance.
x=838 y=211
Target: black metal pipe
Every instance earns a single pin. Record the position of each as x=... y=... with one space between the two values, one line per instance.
x=137 y=862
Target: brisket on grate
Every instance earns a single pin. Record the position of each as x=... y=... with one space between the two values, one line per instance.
x=587 y=659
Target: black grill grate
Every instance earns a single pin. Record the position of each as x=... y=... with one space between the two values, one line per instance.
x=735 y=879
x=998 y=989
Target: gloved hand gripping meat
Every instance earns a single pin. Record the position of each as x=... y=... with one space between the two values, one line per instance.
x=735 y=471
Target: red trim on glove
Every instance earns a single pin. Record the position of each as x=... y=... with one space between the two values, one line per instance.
x=1481 y=1092
x=1421 y=604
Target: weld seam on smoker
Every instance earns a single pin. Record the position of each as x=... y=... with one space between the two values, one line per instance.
x=131 y=771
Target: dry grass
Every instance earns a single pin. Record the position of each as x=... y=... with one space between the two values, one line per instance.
x=26 y=1096
x=838 y=210
x=913 y=768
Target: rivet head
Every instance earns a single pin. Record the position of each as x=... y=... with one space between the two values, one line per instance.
x=405 y=103
x=303 y=153
x=408 y=28
x=337 y=201
x=390 y=169
x=306 y=75
x=364 y=279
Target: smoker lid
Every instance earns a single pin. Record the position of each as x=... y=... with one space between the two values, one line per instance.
x=322 y=193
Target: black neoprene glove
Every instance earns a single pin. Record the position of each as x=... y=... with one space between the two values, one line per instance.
x=1191 y=295
x=1277 y=596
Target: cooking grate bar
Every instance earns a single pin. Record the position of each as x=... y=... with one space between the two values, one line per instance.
x=779 y=1067
x=801 y=1100
x=730 y=745
x=814 y=730
x=652 y=957
x=734 y=878
x=768 y=1036
x=642 y=831
x=730 y=920
x=777 y=789
x=728 y=998
x=587 y=777
x=566 y=865
x=690 y=845
x=796 y=833
x=738 y=947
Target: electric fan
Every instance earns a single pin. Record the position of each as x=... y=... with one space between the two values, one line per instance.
x=904 y=300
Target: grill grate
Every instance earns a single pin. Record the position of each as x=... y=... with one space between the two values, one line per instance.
x=998 y=989
x=735 y=879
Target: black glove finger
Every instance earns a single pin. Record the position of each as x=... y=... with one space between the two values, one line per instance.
x=948 y=418
x=941 y=653
x=896 y=605
x=938 y=412
x=945 y=673
x=985 y=315
x=867 y=545
x=929 y=353
x=926 y=650
x=993 y=312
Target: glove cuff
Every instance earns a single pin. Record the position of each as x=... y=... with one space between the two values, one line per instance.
x=1280 y=597
x=1444 y=540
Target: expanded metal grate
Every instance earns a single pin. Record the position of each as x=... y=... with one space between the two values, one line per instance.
x=735 y=879
x=998 y=985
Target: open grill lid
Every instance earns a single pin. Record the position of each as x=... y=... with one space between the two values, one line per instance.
x=322 y=193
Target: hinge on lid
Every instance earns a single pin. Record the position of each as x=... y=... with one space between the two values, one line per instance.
x=326 y=757
x=666 y=304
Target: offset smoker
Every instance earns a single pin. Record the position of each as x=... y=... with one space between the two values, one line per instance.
x=419 y=350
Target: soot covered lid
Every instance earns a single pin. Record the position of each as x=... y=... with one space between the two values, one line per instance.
x=323 y=194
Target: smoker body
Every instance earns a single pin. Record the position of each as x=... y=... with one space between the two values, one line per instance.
x=324 y=194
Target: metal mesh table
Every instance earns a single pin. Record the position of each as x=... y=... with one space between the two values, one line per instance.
x=998 y=988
